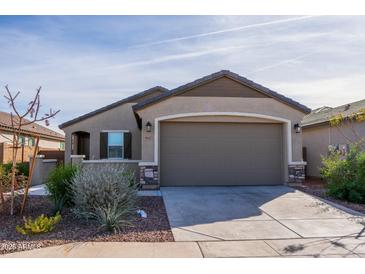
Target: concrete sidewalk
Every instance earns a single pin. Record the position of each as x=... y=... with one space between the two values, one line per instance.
x=342 y=247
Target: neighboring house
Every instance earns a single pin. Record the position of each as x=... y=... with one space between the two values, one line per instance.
x=222 y=129
x=318 y=136
x=49 y=139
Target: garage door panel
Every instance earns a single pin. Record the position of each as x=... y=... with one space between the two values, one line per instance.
x=220 y=154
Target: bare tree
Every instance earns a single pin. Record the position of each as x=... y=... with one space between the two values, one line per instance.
x=18 y=122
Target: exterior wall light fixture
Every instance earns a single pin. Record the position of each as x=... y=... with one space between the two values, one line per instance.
x=148 y=126
x=298 y=128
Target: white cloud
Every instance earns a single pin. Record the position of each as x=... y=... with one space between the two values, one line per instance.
x=224 y=31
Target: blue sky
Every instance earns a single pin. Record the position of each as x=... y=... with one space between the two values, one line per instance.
x=86 y=62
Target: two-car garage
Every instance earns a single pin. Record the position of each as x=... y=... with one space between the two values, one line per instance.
x=221 y=153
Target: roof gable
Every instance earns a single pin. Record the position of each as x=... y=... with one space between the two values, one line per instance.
x=137 y=98
x=228 y=74
x=223 y=87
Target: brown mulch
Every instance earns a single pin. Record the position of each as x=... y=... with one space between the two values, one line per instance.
x=316 y=187
x=154 y=228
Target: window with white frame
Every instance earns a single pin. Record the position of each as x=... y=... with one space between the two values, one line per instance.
x=115 y=145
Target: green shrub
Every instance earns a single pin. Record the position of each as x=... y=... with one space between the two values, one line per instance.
x=22 y=168
x=345 y=175
x=2 y=169
x=105 y=194
x=5 y=177
x=5 y=182
x=6 y=168
x=41 y=224
x=58 y=185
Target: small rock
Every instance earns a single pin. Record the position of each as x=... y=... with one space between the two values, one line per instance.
x=142 y=213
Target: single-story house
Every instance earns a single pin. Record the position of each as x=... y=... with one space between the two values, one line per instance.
x=222 y=129
x=319 y=136
x=48 y=139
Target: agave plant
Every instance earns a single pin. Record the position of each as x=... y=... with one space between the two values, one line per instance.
x=113 y=217
x=105 y=194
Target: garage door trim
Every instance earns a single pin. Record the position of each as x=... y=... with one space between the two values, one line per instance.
x=287 y=142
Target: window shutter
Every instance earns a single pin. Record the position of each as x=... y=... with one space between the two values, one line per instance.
x=127 y=145
x=103 y=145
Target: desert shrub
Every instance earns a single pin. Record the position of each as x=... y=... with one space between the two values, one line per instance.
x=41 y=224
x=105 y=194
x=114 y=216
x=345 y=175
x=58 y=185
x=129 y=177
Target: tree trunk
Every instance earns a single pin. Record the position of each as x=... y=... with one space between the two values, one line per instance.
x=2 y=195
x=29 y=181
x=13 y=173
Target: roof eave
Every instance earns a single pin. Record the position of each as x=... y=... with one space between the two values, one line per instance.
x=111 y=106
x=215 y=76
x=32 y=133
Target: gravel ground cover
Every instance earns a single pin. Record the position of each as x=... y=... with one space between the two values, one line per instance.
x=316 y=187
x=154 y=228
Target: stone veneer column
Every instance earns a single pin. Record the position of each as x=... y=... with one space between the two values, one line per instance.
x=148 y=176
x=296 y=173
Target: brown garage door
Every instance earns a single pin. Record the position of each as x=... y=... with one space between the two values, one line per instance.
x=203 y=154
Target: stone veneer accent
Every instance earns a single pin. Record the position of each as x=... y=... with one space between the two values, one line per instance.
x=149 y=177
x=296 y=173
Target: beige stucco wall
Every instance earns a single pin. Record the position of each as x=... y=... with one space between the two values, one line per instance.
x=51 y=144
x=184 y=104
x=42 y=169
x=230 y=119
x=316 y=139
x=119 y=118
x=4 y=137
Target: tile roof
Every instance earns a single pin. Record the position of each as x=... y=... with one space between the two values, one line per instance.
x=219 y=74
x=323 y=114
x=113 y=105
x=5 y=124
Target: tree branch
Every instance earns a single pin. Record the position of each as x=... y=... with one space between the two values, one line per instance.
x=32 y=103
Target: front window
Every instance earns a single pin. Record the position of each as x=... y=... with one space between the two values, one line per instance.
x=31 y=141
x=115 y=145
x=21 y=140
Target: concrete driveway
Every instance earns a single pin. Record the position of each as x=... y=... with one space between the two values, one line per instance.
x=276 y=216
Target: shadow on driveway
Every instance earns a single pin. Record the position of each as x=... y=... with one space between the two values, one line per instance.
x=250 y=213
